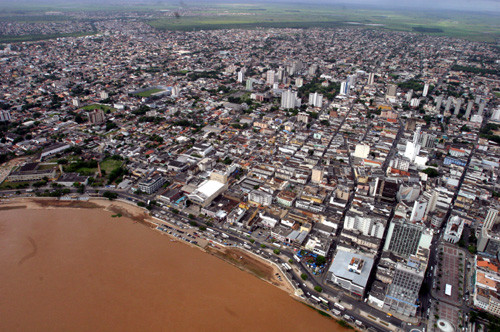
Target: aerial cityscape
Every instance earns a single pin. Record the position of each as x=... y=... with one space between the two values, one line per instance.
x=352 y=163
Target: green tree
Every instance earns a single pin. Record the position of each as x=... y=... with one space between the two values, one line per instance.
x=303 y=276
x=318 y=289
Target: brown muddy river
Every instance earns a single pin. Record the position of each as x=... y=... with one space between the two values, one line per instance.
x=82 y=270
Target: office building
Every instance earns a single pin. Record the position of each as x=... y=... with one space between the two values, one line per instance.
x=350 y=270
x=402 y=293
x=151 y=184
x=403 y=238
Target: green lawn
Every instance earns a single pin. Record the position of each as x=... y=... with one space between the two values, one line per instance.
x=148 y=92
x=110 y=164
x=105 y=108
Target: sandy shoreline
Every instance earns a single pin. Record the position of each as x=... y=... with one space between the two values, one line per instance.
x=239 y=258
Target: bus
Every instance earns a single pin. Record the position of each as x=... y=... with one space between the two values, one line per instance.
x=323 y=300
x=338 y=306
x=315 y=298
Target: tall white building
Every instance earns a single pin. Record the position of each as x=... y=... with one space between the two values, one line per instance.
x=344 y=88
x=270 y=77
x=299 y=82
x=426 y=90
x=316 y=99
x=366 y=225
x=371 y=78
x=175 y=91
x=469 y=109
x=413 y=148
x=289 y=99
x=241 y=77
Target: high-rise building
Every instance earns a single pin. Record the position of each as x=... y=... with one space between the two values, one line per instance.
x=371 y=78
x=489 y=221
x=299 y=82
x=428 y=140
x=317 y=174
x=418 y=211
x=481 y=108
x=249 y=84
x=270 y=77
x=344 y=88
x=426 y=90
x=289 y=99
x=491 y=218
x=468 y=110
x=448 y=104
x=313 y=69
x=391 y=90
x=104 y=95
x=175 y=91
x=4 y=116
x=458 y=104
x=439 y=101
x=403 y=291
x=403 y=238
x=409 y=94
x=316 y=99
x=96 y=116
x=241 y=77
x=76 y=102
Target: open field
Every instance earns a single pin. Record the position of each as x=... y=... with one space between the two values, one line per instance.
x=473 y=26
x=148 y=92
x=105 y=108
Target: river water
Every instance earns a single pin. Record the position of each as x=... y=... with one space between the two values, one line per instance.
x=82 y=270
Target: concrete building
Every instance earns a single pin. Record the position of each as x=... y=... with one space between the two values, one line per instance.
x=468 y=110
x=366 y=225
x=316 y=99
x=317 y=174
x=350 y=270
x=270 y=77
x=403 y=291
x=206 y=192
x=289 y=100
x=426 y=90
x=97 y=116
x=260 y=197
x=151 y=184
x=362 y=151
x=371 y=78
x=403 y=238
